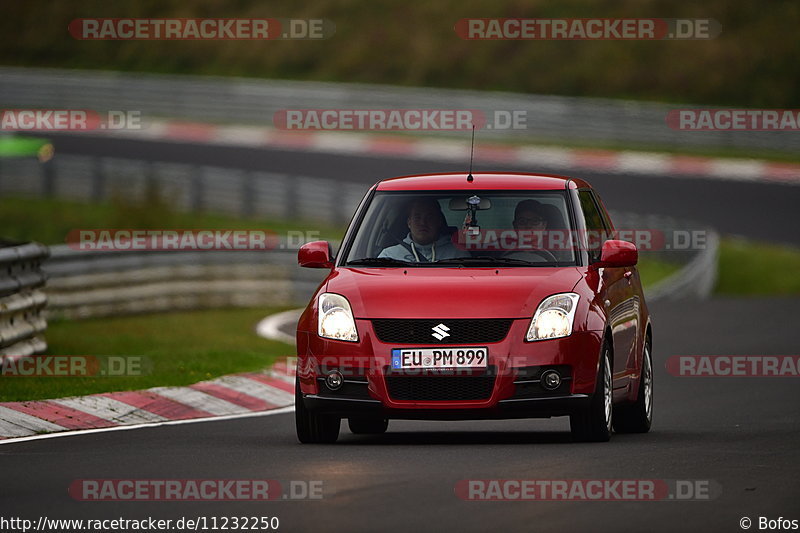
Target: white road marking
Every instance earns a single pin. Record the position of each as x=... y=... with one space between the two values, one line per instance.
x=269 y=327
x=281 y=411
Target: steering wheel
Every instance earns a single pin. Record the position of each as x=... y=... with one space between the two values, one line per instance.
x=539 y=252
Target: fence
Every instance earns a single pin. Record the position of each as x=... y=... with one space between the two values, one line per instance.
x=21 y=299
x=252 y=101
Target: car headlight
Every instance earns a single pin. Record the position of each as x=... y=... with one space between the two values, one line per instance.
x=554 y=317
x=335 y=318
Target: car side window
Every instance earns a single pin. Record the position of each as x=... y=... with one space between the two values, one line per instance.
x=597 y=232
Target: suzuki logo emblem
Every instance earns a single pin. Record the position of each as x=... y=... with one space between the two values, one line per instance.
x=440 y=332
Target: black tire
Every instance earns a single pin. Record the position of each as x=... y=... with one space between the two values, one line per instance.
x=368 y=426
x=638 y=416
x=312 y=427
x=593 y=424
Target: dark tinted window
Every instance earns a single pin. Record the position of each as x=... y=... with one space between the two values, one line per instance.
x=596 y=229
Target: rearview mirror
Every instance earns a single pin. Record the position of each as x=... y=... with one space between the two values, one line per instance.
x=617 y=254
x=460 y=204
x=315 y=254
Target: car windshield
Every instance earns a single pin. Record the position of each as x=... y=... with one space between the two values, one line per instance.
x=469 y=228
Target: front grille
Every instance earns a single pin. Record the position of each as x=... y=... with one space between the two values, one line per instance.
x=440 y=388
x=461 y=330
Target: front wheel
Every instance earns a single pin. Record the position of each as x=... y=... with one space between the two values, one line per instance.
x=638 y=417
x=313 y=427
x=593 y=424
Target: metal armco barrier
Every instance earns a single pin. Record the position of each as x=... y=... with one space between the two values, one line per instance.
x=184 y=187
x=22 y=301
x=83 y=284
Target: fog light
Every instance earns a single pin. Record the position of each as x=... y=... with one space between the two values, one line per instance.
x=551 y=379
x=334 y=380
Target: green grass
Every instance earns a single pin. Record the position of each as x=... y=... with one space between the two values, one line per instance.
x=179 y=349
x=653 y=270
x=748 y=269
x=49 y=220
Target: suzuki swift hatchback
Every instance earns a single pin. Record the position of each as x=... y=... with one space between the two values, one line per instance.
x=493 y=295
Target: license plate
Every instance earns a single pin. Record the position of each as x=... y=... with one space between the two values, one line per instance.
x=465 y=357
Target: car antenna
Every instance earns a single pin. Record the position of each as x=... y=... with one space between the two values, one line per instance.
x=471 y=152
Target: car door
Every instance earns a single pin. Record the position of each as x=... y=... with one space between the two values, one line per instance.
x=616 y=291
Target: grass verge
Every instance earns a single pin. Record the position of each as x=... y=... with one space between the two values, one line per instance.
x=49 y=220
x=749 y=268
x=179 y=349
x=653 y=270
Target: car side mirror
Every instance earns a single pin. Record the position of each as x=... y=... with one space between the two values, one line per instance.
x=617 y=254
x=315 y=254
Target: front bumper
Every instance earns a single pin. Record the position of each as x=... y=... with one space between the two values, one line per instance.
x=513 y=392
x=503 y=409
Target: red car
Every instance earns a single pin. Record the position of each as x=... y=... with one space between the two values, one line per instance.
x=493 y=295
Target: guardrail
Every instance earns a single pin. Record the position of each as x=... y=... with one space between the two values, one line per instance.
x=254 y=101
x=236 y=192
x=22 y=301
x=83 y=284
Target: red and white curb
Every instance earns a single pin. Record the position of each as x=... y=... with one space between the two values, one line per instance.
x=387 y=144
x=236 y=394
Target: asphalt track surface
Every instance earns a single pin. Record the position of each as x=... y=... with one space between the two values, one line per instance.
x=742 y=435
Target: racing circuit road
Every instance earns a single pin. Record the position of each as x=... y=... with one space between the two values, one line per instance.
x=742 y=434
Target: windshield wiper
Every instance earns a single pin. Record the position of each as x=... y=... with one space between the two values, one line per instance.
x=485 y=259
x=378 y=261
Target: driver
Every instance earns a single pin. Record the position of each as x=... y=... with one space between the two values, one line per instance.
x=427 y=240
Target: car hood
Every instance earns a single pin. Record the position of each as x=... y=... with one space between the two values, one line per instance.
x=449 y=292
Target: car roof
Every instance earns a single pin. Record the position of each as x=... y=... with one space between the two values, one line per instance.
x=482 y=180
